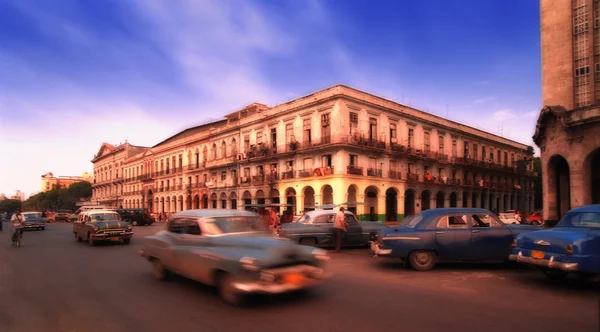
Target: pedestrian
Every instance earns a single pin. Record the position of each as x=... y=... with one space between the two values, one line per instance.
x=17 y=221
x=339 y=228
x=518 y=216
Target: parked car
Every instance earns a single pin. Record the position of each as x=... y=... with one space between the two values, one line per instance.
x=232 y=250
x=572 y=246
x=315 y=228
x=535 y=218
x=34 y=221
x=508 y=218
x=101 y=225
x=62 y=216
x=137 y=217
x=449 y=234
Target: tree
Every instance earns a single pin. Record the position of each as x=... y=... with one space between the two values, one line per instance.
x=10 y=205
x=60 y=198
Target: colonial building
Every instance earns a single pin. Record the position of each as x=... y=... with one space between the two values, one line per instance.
x=338 y=145
x=49 y=181
x=568 y=128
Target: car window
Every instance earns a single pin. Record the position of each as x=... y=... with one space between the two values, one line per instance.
x=485 y=220
x=177 y=225
x=351 y=219
x=323 y=219
x=453 y=221
x=192 y=227
x=580 y=219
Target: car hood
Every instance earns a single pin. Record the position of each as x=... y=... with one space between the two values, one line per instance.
x=268 y=250
x=517 y=229
x=111 y=225
x=400 y=229
x=253 y=241
x=555 y=239
x=372 y=225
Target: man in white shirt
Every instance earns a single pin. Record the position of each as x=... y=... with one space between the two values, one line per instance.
x=17 y=220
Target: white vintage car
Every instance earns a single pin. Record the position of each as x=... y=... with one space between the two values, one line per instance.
x=233 y=251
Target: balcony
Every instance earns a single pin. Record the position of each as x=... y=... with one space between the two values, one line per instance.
x=354 y=170
x=179 y=187
x=305 y=173
x=258 y=180
x=273 y=177
x=412 y=177
x=374 y=172
x=245 y=181
x=287 y=175
x=395 y=175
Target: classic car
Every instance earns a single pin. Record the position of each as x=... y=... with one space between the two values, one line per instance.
x=62 y=216
x=572 y=246
x=508 y=218
x=232 y=250
x=101 y=225
x=315 y=228
x=449 y=234
x=137 y=217
x=33 y=221
x=535 y=218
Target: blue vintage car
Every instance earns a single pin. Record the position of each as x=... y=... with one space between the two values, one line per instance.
x=449 y=234
x=573 y=245
x=315 y=228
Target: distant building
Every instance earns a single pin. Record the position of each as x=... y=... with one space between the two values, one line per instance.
x=568 y=127
x=18 y=195
x=2 y=197
x=49 y=181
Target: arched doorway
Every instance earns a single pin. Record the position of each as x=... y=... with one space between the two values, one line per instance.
x=371 y=203
x=491 y=201
x=156 y=205
x=260 y=197
x=474 y=199
x=352 y=189
x=465 y=199
x=559 y=187
x=290 y=198
x=274 y=196
x=409 y=202
x=189 y=202
x=247 y=197
x=391 y=204
x=174 y=204
x=180 y=203
x=483 y=200
x=309 y=199
x=213 y=200
x=439 y=199
x=592 y=165
x=327 y=194
x=505 y=203
x=425 y=200
x=168 y=204
x=162 y=205
x=205 y=201
x=453 y=199
x=150 y=200
x=196 y=202
x=233 y=200
x=223 y=198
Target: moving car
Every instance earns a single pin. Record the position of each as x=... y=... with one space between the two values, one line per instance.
x=33 y=221
x=232 y=250
x=572 y=246
x=449 y=234
x=101 y=225
x=508 y=218
x=535 y=218
x=62 y=215
x=137 y=217
x=315 y=228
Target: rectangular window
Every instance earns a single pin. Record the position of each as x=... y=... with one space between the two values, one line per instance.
x=246 y=143
x=393 y=133
x=354 y=160
x=411 y=137
x=466 y=150
x=223 y=176
x=372 y=128
x=353 y=123
x=307 y=131
x=307 y=163
x=505 y=158
x=289 y=132
x=454 y=148
x=325 y=128
x=483 y=156
x=426 y=145
x=441 y=141
x=475 y=151
x=326 y=160
x=274 y=138
x=259 y=137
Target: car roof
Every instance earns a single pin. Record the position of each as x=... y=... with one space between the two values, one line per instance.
x=206 y=213
x=586 y=208
x=97 y=211
x=440 y=211
x=316 y=213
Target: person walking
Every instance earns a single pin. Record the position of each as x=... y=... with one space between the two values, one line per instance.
x=339 y=228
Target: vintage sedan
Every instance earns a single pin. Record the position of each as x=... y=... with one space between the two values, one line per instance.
x=315 y=228
x=34 y=221
x=572 y=246
x=101 y=225
x=233 y=251
x=449 y=234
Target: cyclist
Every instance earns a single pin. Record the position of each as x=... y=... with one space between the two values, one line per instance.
x=18 y=221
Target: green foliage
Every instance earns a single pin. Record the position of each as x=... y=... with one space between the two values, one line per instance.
x=10 y=205
x=59 y=199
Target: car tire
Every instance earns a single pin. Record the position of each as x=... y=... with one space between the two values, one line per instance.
x=159 y=271
x=126 y=241
x=422 y=260
x=91 y=241
x=79 y=239
x=308 y=241
x=535 y=223
x=227 y=291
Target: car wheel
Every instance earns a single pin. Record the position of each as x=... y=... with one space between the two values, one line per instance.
x=422 y=260
x=91 y=241
x=228 y=292
x=159 y=271
x=307 y=241
x=535 y=223
x=126 y=241
x=79 y=239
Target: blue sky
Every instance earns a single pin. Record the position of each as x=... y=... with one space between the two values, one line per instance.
x=74 y=74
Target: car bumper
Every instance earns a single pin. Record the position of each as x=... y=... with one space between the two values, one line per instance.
x=376 y=249
x=125 y=235
x=548 y=263
x=28 y=227
x=273 y=281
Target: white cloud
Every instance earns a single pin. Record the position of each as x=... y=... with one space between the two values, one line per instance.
x=532 y=114
x=504 y=115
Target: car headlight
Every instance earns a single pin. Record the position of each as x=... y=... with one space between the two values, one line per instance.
x=249 y=263
x=320 y=254
x=129 y=227
x=95 y=228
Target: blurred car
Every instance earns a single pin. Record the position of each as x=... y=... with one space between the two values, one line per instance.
x=34 y=221
x=232 y=250
x=62 y=216
x=315 y=228
x=101 y=225
x=508 y=218
x=449 y=234
x=572 y=246
x=535 y=218
x=137 y=217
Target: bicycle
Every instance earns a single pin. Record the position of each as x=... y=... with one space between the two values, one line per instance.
x=17 y=237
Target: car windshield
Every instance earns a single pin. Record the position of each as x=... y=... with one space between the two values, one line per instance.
x=303 y=219
x=414 y=221
x=29 y=216
x=96 y=217
x=580 y=219
x=228 y=225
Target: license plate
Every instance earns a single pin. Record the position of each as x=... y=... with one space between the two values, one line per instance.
x=114 y=238
x=294 y=278
x=537 y=254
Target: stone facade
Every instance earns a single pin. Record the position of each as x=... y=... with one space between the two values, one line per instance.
x=338 y=145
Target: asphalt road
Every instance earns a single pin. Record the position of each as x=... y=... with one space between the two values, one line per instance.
x=53 y=283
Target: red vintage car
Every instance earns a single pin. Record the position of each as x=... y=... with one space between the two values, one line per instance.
x=535 y=218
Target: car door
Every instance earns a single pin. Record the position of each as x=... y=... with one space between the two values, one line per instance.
x=194 y=257
x=453 y=237
x=491 y=239
x=354 y=236
x=170 y=254
x=323 y=225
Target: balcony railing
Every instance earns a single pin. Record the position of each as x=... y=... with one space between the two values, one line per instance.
x=354 y=170
x=412 y=177
x=374 y=172
x=258 y=180
x=395 y=175
x=287 y=175
x=305 y=173
x=245 y=181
